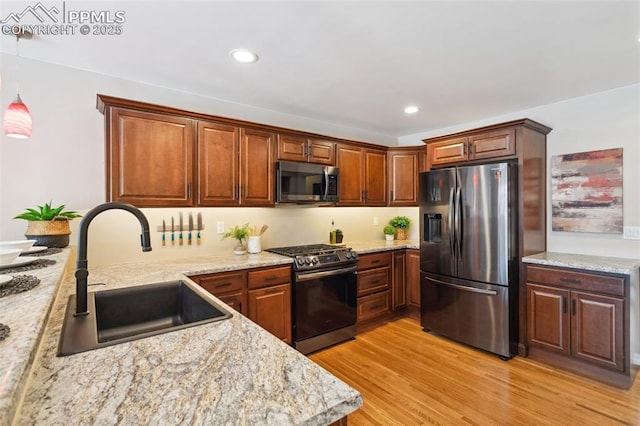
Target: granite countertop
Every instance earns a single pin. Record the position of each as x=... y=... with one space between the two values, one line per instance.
x=614 y=265
x=373 y=246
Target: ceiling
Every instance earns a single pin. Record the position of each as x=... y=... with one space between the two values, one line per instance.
x=359 y=63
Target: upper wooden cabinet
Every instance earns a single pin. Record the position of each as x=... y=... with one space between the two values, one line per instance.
x=298 y=148
x=218 y=173
x=257 y=168
x=149 y=158
x=404 y=164
x=363 y=175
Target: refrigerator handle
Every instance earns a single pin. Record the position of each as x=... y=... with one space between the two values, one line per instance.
x=458 y=220
x=451 y=228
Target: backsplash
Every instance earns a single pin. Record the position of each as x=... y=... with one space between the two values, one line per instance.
x=114 y=236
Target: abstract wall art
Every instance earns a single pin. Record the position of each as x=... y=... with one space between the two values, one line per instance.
x=586 y=192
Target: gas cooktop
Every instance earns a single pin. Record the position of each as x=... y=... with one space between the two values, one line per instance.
x=317 y=256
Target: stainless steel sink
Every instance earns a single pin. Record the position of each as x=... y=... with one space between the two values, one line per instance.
x=126 y=314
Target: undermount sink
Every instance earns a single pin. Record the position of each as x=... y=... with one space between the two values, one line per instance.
x=131 y=313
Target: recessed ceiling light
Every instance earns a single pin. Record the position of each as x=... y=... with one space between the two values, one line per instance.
x=411 y=109
x=243 y=55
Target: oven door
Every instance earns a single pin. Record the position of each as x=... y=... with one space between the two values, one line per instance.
x=324 y=301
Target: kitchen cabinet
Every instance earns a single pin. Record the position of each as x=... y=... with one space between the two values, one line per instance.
x=481 y=146
x=363 y=175
x=413 y=281
x=149 y=158
x=399 y=293
x=404 y=165
x=579 y=320
x=374 y=285
x=300 y=148
x=262 y=294
x=257 y=168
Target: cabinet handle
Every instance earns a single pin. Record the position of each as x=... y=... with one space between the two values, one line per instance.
x=243 y=192
x=189 y=190
x=272 y=290
x=237 y=191
x=309 y=150
x=373 y=262
x=564 y=305
x=391 y=198
x=569 y=280
x=223 y=285
x=271 y=278
x=375 y=282
x=573 y=306
x=374 y=307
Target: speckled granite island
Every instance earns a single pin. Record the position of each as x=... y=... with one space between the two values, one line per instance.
x=227 y=372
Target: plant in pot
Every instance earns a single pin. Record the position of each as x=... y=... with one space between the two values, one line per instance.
x=401 y=223
x=339 y=236
x=239 y=233
x=389 y=232
x=49 y=226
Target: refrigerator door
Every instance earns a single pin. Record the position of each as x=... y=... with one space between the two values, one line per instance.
x=437 y=241
x=483 y=225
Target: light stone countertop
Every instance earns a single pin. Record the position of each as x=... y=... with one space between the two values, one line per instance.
x=373 y=246
x=614 y=265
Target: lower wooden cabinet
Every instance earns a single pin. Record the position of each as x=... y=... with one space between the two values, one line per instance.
x=399 y=294
x=374 y=285
x=413 y=278
x=270 y=307
x=580 y=321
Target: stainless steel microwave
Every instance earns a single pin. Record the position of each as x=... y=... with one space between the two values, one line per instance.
x=305 y=183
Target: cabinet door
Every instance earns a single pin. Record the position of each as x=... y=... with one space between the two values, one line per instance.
x=494 y=144
x=270 y=307
x=403 y=178
x=399 y=289
x=257 y=168
x=321 y=152
x=218 y=164
x=150 y=159
x=448 y=151
x=597 y=329
x=235 y=301
x=548 y=324
x=293 y=148
x=375 y=178
x=413 y=277
x=350 y=185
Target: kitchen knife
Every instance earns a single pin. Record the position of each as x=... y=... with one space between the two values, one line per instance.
x=164 y=229
x=199 y=227
x=173 y=237
x=190 y=227
x=181 y=225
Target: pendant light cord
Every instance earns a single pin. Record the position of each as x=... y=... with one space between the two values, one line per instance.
x=18 y=64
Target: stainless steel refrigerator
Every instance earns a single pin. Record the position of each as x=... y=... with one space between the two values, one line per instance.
x=468 y=262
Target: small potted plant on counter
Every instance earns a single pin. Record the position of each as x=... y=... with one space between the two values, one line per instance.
x=401 y=223
x=239 y=233
x=49 y=226
x=339 y=236
x=389 y=232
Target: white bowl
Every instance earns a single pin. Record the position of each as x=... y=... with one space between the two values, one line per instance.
x=7 y=256
x=23 y=245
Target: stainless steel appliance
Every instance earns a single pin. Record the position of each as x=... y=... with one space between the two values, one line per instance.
x=306 y=183
x=324 y=295
x=468 y=261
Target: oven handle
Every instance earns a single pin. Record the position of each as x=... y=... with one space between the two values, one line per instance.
x=307 y=276
x=464 y=287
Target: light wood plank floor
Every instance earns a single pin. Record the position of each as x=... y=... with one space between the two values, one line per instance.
x=409 y=377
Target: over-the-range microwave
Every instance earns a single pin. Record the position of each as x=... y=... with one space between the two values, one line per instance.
x=306 y=183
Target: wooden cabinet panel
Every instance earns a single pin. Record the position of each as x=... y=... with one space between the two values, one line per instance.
x=548 y=318
x=596 y=329
x=373 y=305
x=269 y=277
x=447 y=151
x=576 y=280
x=270 y=307
x=257 y=168
x=222 y=282
x=150 y=159
x=373 y=280
x=351 y=180
x=321 y=152
x=403 y=178
x=498 y=143
x=375 y=178
x=218 y=164
x=399 y=290
x=235 y=301
x=413 y=277
x=374 y=260
x=299 y=148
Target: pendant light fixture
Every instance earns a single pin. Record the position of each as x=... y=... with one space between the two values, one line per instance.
x=17 y=119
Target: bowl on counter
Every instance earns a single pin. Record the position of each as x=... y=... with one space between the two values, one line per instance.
x=23 y=245
x=8 y=256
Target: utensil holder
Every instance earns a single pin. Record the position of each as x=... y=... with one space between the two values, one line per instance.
x=254 y=244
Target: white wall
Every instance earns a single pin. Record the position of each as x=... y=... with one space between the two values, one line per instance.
x=603 y=120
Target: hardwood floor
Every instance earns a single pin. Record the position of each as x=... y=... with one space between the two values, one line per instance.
x=409 y=377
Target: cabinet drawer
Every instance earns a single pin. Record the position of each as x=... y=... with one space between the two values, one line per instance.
x=373 y=280
x=235 y=300
x=568 y=278
x=271 y=276
x=374 y=305
x=221 y=283
x=375 y=260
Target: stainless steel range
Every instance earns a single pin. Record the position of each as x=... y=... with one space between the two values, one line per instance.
x=324 y=295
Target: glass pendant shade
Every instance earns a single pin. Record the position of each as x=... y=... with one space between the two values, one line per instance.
x=17 y=120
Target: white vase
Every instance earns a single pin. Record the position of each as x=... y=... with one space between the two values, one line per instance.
x=254 y=244
x=388 y=237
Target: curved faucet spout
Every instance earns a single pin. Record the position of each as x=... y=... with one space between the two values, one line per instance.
x=82 y=271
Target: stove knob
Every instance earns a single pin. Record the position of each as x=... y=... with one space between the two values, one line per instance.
x=300 y=261
x=354 y=255
x=307 y=261
x=348 y=255
x=314 y=260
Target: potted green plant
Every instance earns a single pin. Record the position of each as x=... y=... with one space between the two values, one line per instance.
x=401 y=223
x=389 y=232
x=239 y=233
x=48 y=225
x=339 y=236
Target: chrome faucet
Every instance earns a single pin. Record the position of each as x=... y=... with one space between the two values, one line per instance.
x=81 y=265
